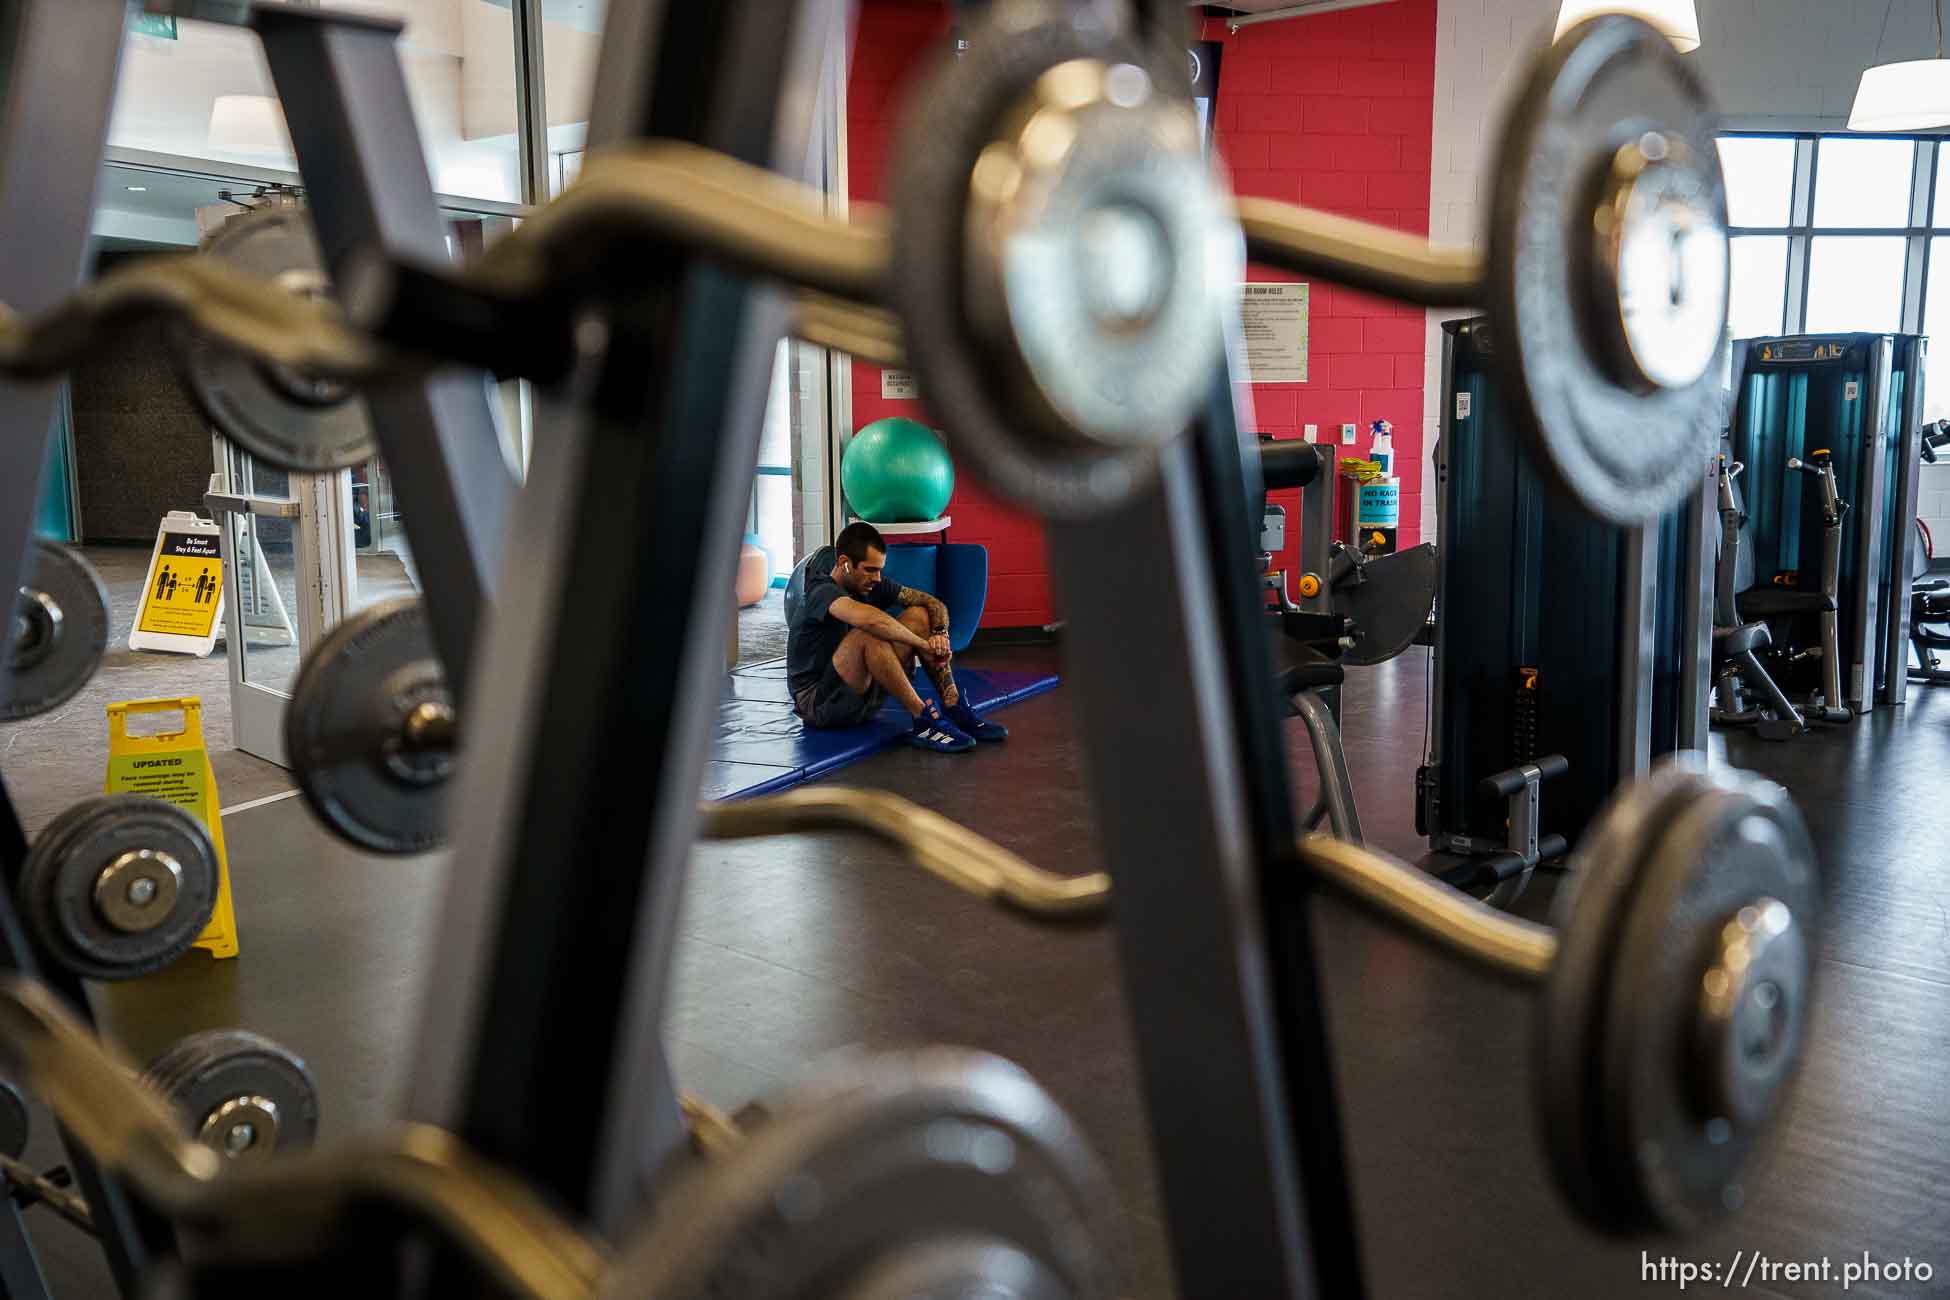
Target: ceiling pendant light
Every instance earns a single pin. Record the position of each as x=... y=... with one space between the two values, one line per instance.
x=1911 y=96
x=1677 y=20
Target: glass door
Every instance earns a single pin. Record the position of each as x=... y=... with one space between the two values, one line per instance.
x=288 y=576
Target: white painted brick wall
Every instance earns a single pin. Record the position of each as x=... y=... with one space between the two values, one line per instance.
x=1481 y=48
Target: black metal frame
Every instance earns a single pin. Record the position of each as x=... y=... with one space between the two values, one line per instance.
x=1900 y=533
x=370 y=188
x=366 y=184
x=1196 y=819
x=61 y=59
x=542 y=1048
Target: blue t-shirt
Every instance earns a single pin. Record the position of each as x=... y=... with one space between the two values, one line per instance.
x=814 y=633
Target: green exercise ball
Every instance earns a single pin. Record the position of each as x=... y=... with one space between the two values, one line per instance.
x=895 y=471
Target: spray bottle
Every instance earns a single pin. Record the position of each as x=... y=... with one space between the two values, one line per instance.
x=1377 y=512
x=1383 y=451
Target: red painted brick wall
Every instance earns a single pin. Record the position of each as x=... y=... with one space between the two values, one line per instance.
x=891 y=45
x=1337 y=112
x=1334 y=111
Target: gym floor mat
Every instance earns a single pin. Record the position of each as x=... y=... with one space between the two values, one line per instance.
x=762 y=747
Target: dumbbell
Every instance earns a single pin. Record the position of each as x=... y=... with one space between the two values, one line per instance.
x=936 y=1172
x=930 y=1172
x=1675 y=986
x=370 y=730
x=1675 y=983
x=58 y=636
x=1607 y=269
x=119 y=885
x=1063 y=256
x=1054 y=223
x=241 y=1094
x=293 y=420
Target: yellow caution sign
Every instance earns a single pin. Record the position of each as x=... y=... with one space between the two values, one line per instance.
x=174 y=765
x=185 y=583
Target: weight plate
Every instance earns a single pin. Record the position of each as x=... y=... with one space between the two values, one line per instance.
x=1607 y=270
x=958 y=1270
x=888 y=1154
x=1390 y=607
x=59 y=633
x=1058 y=363
x=119 y=885
x=15 y=1123
x=350 y=730
x=292 y=421
x=243 y=1095
x=1604 y=875
x=1729 y=905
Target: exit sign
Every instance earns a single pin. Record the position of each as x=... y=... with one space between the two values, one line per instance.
x=160 y=25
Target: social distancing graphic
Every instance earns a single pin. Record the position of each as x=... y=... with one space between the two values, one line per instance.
x=183 y=597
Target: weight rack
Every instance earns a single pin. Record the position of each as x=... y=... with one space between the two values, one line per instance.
x=542 y=1048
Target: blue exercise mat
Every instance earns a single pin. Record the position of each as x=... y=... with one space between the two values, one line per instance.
x=762 y=746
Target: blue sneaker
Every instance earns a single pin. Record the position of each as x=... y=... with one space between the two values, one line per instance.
x=932 y=731
x=974 y=725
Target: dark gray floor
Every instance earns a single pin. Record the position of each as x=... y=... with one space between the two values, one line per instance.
x=795 y=947
x=54 y=759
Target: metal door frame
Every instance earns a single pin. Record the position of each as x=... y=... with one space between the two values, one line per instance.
x=320 y=509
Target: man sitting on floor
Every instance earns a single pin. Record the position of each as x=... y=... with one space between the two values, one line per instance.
x=845 y=653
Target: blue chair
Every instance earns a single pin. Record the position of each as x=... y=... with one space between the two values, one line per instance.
x=955 y=572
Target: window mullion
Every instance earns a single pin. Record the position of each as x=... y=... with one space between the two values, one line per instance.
x=1801 y=214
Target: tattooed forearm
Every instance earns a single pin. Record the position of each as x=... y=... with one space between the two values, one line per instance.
x=937 y=612
x=938 y=670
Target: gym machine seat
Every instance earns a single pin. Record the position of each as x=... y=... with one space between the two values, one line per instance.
x=1745 y=639
x=1740 y=630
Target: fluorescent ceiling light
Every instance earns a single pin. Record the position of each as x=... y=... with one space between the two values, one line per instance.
x=1910 y=96
x=137 y=189
x=1677 y=20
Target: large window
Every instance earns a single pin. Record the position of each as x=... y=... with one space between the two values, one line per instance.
x=1836 y=233
x=202 y=91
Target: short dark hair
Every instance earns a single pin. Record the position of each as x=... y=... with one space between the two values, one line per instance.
x=857 y=538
